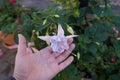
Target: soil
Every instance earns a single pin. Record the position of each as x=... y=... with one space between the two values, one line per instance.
x=7 y=62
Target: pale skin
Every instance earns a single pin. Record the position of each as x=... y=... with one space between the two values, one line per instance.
x=40 y=65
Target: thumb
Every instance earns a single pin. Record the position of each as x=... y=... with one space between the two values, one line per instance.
x=22 y=45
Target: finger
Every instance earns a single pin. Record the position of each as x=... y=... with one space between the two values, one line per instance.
x=70 y=40
x=67 y=62
x=46 y=52
x=56 y=55
x=70 y=49
x=34 y=50
x=22 y=44
x=29 y=50
x=47 y=49
x=63 y=56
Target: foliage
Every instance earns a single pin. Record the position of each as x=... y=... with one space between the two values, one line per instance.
x=15 y=19
x=8 y=12
x=97 y=53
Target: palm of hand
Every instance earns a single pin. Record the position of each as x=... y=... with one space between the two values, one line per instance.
x=42 y=65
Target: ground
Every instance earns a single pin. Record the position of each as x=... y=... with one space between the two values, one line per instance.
x=6 y=62
x=41 y=4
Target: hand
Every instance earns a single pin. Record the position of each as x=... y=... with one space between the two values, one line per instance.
x=41 y=65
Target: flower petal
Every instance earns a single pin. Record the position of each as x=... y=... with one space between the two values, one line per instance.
x=71 y=36
x=45 y=38
x=54 y=47
x=60 y=31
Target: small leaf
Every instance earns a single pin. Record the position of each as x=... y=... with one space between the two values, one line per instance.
x=93 y=49
x=57 y=16
x=78 y=55
x=47 y=34
x=118 y=38
x=37 y=33
x=97 y=43
x=44 y=22
x=70 y=30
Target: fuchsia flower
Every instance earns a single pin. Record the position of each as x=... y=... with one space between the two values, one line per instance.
x=12 y=1
x=58 y=42
x=113 y=59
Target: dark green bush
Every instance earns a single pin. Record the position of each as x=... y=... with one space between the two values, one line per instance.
x=97 y=54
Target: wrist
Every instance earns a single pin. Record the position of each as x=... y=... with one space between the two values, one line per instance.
x=19 y=76
x=38 y=77
x=29 y=78
x=11 y=78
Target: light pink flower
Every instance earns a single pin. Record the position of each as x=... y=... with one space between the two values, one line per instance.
x=58 y=42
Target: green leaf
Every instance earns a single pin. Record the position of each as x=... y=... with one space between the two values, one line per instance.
x=93 y=49
x=16 y=38
x=40 y=27
x=26 y=19
x=118 y=38
x=44 y=22
x=10 y=28
x=99 y=37
x=70 y=30
x=98 y=10
x=97 y=43
x=116 y=45
x=78 y=55
x=47 y=34
x=114 y=77
x=107 y=11
x=57 y=16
